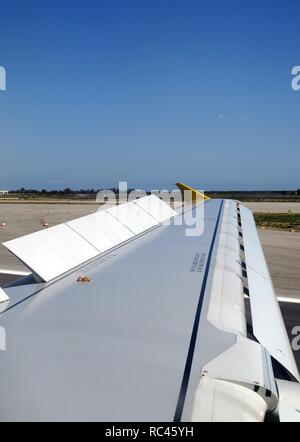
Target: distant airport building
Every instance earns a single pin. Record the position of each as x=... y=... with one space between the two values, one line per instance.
x=3 y=192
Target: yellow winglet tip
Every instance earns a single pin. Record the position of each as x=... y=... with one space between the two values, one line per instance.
x=196 y=194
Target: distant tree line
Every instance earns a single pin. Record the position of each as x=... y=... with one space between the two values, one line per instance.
x=249 y=195
x=60 y=193
x=66 y=191
x=256 y=192
x=69 y=191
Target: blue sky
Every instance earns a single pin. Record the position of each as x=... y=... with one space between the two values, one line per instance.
x=150 y=91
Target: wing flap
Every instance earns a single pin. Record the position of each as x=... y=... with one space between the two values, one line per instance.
x=3 y=296
x=268 y=324
x=101 y=230
x=157 y=208
x=136 y=219
x=50 y=253
x=57 y=250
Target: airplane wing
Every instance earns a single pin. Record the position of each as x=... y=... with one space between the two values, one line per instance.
x=126 y=317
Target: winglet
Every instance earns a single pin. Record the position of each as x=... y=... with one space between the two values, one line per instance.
x=195 y=193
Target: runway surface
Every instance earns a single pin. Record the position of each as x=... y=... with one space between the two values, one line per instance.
x=291 y=315
x=274 y=207
x=282 y=252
